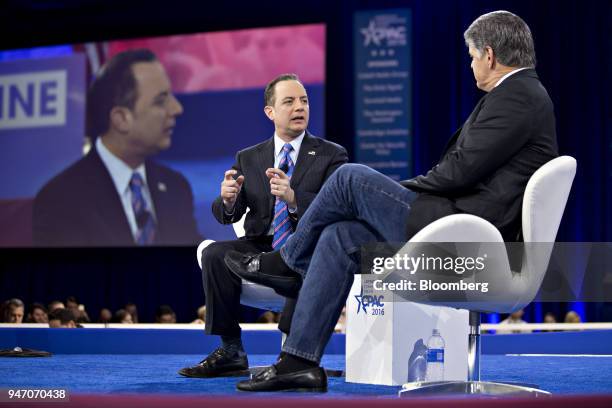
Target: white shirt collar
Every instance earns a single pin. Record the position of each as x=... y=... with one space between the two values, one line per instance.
x=279 y=143
x=502 y=79
x=120 y=172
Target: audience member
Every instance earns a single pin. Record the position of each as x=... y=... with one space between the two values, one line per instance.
x=12 y=311
x=62 y=318
x=201 y=315
x=105 y=316
x=165 y=314
x=122 y=316
x=78 y=310
x=133 y=310
x=268 y=317
x=514 y=318
x=37 y=314
x=572 y=317
x=549 y=317
x=56 y=304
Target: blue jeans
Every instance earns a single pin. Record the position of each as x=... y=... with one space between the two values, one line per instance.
x=356 y=206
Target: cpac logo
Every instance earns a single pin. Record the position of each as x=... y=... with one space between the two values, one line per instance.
x=33 y=99
x=375 y=35
x=363 y=302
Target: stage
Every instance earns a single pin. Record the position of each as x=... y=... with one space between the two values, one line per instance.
x=577 y=369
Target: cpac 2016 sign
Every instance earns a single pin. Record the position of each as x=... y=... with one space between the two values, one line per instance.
x=33 y=99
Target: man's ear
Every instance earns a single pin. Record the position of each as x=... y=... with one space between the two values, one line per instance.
x=121 y=119
x=490 y=55
x=269 y=111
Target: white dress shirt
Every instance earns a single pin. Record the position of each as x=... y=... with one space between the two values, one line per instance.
x=121 y=174
x=278 y=148
x=502 y=79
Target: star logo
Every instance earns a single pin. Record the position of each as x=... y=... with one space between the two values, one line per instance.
x=361 y=304
x=371 y=34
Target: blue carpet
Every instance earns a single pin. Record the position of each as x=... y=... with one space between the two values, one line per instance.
x=156 y=374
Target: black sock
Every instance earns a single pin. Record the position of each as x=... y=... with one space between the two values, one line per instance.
x=273 y=264
x=232 y=345
x=288 y=363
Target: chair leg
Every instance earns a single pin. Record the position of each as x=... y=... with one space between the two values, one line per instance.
x=474 y=347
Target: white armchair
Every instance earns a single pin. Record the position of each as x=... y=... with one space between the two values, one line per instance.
x=252 y=294
x=543 y=206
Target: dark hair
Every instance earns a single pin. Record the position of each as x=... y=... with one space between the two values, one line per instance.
x=71 y=299
x=271 y=87
x=33 y=307
x=53 y=303
x=37 y=305
x=119 y=316
x=507 y=34
x=114 y=85
x=163 y=310
x=63 y=315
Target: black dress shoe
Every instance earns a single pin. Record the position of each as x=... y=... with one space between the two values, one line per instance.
x=219 y=363
x=248 y=268
x=312 y=379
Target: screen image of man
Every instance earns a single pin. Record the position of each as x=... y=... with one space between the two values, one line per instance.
x=276 y=180
x=116 y=195
x=483 y=171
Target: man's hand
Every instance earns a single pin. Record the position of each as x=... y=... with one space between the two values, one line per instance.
x=280 y=186
x=230 y=189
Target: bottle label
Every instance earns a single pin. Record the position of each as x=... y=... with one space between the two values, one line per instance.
x=435 y=355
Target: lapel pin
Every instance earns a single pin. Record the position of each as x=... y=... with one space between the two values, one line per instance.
x=162 y=187
x=312 y=153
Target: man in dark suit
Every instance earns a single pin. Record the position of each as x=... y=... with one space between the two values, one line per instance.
x=116 y=195
x=483 y=171
x=276 y=180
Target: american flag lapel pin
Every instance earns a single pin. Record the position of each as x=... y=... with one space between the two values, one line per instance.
x=162 y=187
x=312 y=152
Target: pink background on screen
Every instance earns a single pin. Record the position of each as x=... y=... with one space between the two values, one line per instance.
x=236 y=59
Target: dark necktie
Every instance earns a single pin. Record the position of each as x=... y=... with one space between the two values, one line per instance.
x=144 y=218
x=282 y=226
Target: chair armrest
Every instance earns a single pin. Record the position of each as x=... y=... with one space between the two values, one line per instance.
x=201 y=247
x=459 y=228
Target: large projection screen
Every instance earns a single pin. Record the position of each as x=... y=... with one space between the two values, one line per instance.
x=217 y=77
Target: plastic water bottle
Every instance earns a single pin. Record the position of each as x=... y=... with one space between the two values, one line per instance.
x=435 y=357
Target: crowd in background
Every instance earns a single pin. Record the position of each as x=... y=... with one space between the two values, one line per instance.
x=71 y=313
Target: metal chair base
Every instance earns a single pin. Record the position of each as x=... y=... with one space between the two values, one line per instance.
x=481 y=388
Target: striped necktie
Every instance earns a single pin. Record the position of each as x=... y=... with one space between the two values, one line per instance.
x=144 y=219
x=282 y=226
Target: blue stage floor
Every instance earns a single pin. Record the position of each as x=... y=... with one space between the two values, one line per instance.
x=156 y=374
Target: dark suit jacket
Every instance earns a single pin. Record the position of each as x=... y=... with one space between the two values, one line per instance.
x=81 y=207
x=486 y=164
x=317 y=160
